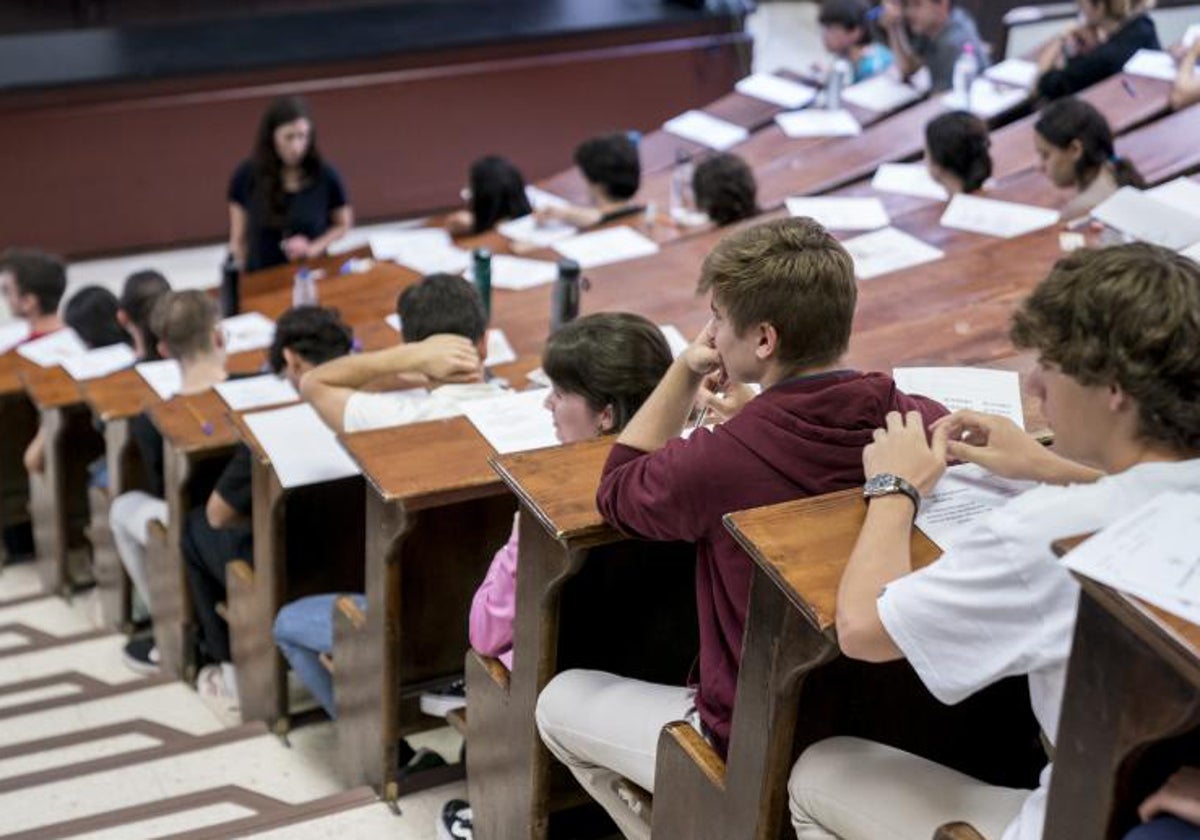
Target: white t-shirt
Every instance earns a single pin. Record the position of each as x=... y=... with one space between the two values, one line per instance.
x=1000 y=603
x=366 y=410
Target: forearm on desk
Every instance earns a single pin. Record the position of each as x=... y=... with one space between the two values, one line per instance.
x=881 y=555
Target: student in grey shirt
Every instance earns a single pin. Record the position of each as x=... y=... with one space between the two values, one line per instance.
x=930 y=33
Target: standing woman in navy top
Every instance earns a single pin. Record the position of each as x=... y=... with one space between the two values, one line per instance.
x=1107 y=36
x=285 y=202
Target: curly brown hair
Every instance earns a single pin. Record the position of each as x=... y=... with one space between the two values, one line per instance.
x=1127 y=316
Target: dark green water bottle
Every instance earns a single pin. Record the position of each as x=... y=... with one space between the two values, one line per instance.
x=483 y=277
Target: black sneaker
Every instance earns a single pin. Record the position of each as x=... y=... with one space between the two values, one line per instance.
x=141 y=656
x=445 y=700
x=455 y=821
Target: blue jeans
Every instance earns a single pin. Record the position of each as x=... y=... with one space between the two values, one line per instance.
x=303 y=631
x=1165 y=828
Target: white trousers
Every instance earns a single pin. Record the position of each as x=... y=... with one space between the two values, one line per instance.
x=129 y=516
x=605 y=728
x=851 y=789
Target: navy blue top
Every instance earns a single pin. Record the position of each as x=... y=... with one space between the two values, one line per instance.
x=1098 y=64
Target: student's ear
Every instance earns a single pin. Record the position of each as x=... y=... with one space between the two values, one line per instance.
x=768 y=341
x=1075 y=149
x=606 y=419
x=123 y=319
x=163 y=352
x=218 y=338
x=1118 y=400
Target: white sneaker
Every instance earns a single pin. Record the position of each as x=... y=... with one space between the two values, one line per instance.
x=218 y=695
x=443 y=701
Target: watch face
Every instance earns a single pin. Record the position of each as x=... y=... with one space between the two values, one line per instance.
x=881 y=483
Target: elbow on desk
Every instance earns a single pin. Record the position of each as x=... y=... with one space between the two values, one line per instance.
x=863 y=638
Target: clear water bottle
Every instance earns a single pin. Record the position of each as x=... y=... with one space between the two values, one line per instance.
x=840 y=76
x=482 y=271
x=966 y=71
x=304 y=288
x=564 y=305
x=683 y=196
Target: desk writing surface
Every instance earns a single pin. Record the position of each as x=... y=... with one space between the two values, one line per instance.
x=559 y=487
x=179 y=421
x=804 y=546
x=49 y=387
x=360 y=298
x=10 y=380
x=282 y=276
x=1165 y=148
x=120 y=395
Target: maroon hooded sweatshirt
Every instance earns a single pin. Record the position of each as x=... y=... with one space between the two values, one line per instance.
x=802 y=437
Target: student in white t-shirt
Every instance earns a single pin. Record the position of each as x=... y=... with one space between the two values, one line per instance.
x=444 y=327
x=1116 y=331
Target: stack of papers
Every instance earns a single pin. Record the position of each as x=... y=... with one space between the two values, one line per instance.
x=164 y=376
x=964 y=495
x=248 y=331
x=706 y=130
x=424 y=250
x=1151 y=553
x=301 y=448
x=817 y=123
x=99 y=362
x=908 y=179
x=962 y=388
x=888 y=250
x=838 y=213
x=1143 y=216
x=514 y=422
x=991 y=217
x=606 y=246
x=518 y=273
x=53 y=349
x=776 y=90
x=530 y=231
x=1154 y=64
x=1014 y=71
x=256 y=392
x=13 y=334
x=881 y=94
x=988 y=99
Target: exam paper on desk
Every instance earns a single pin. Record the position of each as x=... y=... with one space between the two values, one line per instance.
x=1142 y=216
x=53 y=349
x=164 y=376
x=814 y=122
x=991 y=217
x=841 y=213
x=706 y=130
x=965 y=494
x=13 y=334
x=99 y=362
x=881 y=94
x=301 y=448
x=908 y=179
x=248 y=331
x=984 y=390
x=776 y=90
x=515 y=422
x=884 y=251
x=256 y=392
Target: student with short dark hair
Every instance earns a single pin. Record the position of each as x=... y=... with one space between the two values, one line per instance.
x=444 y=330
x=613 y=171
x=92 y=312
x=782 y=295
x=1075 y=146
x=725 y=189
x=141 y=292
x=496 y=193
x=956 y=152
x=846 y=33
x=1115 y=333
x=33 y=283
x=932 y=34
x=1098 y=47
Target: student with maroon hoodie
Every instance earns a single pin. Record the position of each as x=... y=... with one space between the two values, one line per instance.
x=782 y=296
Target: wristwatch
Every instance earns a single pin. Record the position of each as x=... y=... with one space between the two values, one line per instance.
x=886 y=484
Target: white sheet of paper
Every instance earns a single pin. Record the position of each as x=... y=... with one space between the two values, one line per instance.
x=965 y=494
x=518 y=273
x=675 y=339
x=908 y=179
x=248 y=331
x=988 y=99
x=527 y=229
x=814 y=122
x=1144 y=217
x=606 y=246
x=1153 y=553
x=53 y=349
x=13 y=334
x=1191 y=36
x=778 y=91
x=499 y=351
x=424 y=250
x=99 y=362
x=1014 y=71
x=839 y=213
x=1155 y=64
x=514 y=422
x=706 y=130
x=1182 y=193
x=991 y=217
x=975 y=389
x=888 y=250
x=164 y=376
x=256 y=392
x=1192 y=253
x=539 y=199
x=302 y=449
x=881 y=94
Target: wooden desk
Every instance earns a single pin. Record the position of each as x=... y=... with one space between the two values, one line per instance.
x=573 y=569
x=1130 y=716
x=281 y=277
x=19 y=420
x=1165 y=148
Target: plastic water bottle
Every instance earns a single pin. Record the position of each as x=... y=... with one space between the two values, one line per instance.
x=683 y=196
x=564 y=306
x=304 y=288
x=840 y=75
x=482 y=270
x=966 y=70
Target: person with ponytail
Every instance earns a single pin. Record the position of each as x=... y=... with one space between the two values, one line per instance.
x=1075 y=145
x=956 y=152
x=285 y=202
x=1107 y=36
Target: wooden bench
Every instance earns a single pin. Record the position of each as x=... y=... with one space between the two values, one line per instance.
x=19 y=420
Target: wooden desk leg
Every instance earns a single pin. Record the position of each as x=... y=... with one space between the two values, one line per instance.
x=171 y=603
x=48 y=507
x=18 y=419
x=1122 y=695
x=508 y=768
x=254 y=597
x=112 y=583
x=696 y=795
